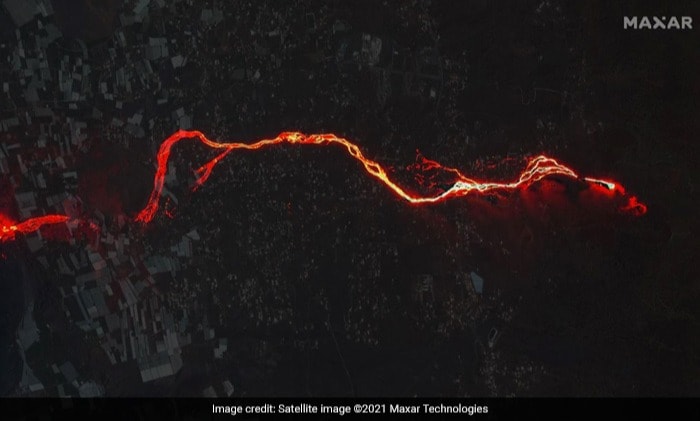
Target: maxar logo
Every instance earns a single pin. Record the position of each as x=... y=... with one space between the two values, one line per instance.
x=657 y=22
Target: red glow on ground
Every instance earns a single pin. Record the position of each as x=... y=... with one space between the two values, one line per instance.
x=459 y=185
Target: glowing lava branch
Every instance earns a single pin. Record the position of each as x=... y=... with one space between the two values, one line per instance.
x=538 y=168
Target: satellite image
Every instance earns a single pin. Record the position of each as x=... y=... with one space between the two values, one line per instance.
x=367 y=198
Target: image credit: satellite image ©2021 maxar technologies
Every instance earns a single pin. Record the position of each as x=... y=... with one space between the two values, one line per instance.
x=346 y=200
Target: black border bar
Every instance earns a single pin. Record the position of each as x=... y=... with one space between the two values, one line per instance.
x=134 y=409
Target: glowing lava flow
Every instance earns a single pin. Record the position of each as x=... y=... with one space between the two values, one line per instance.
x=8 y=229
x=538 y=168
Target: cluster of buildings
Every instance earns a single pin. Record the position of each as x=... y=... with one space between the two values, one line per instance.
x=108 y=283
